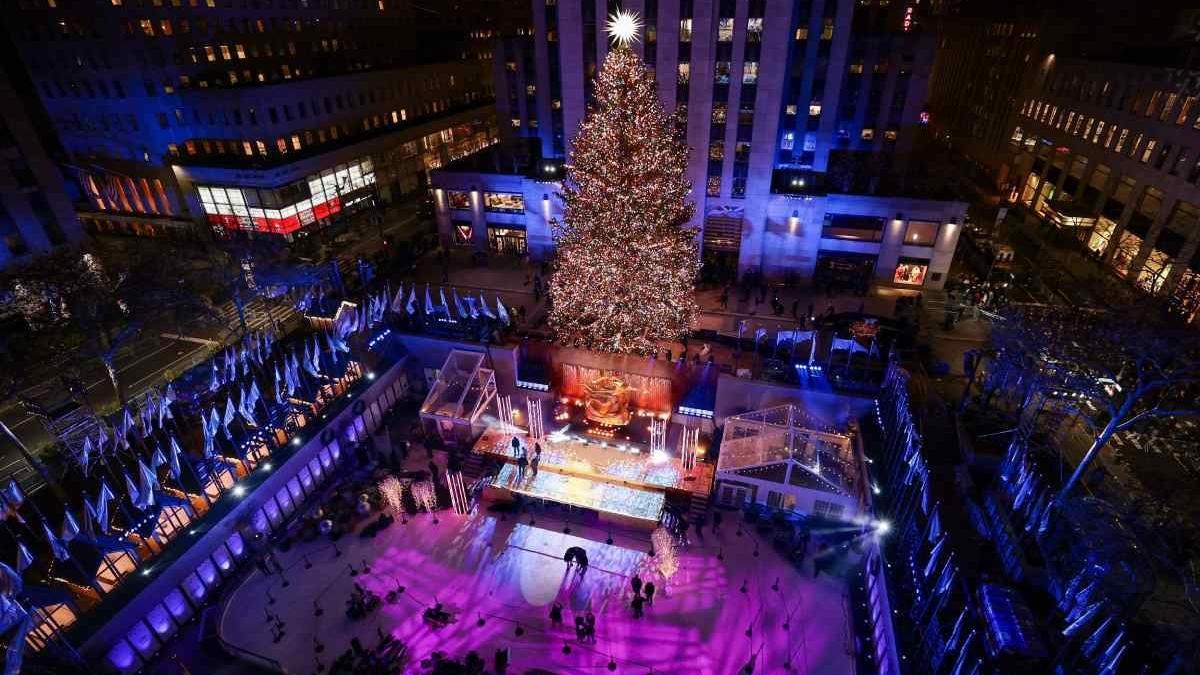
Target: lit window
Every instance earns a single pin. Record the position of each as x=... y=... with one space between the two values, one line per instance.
x=889 y=135
x=147 y=27
x=827 y=30
x=814 y=109
x=295 y=141
x=802 y=33
x=172 y=149
x=281 y=145
x=209 y=53
x=713 y=188
x=1148 y=150
x=241 y=51
x=750 y=72
x=225 y=53
x=164 y=27
x=685 y=30
x=790 y=109
x=516 y=122
x=724 y=30
x=685 y=73
x=716 y=150
x=721 y=72
x=788 y=141
x=754 y=27
x=262 y=148
x=530 y=89
x=868 y=134
x=856 y=68
x=921 y=233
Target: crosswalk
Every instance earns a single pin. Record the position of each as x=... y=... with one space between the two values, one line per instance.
x=258 y=316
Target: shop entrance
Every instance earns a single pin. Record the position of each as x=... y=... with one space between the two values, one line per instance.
x=722 y=246
x=838 y=271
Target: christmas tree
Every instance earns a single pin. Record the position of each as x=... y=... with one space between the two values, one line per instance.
x=626 y=264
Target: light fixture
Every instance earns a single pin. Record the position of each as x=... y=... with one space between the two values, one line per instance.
x=239 y=490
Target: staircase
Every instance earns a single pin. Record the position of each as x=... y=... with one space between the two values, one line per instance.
x=698 y=510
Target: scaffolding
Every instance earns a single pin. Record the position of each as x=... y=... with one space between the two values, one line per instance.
x=786 y=435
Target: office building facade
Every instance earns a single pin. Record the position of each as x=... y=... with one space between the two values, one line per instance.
x=267 y=117
x=1110 y=152
x=36 y=214
x=801 y=117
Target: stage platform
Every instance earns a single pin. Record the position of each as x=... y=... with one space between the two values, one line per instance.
x=628 y=465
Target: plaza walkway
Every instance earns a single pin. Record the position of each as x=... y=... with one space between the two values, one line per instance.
x=734 y=599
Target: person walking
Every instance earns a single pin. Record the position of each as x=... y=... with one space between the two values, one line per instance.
x=725 y=297
x=556 y=616
x=649 y=592
x=516 y=446
x=580 y=628
x=637 y=606
x=589 y=626
x=521 y=464
x=534 y=465
x=636 y=584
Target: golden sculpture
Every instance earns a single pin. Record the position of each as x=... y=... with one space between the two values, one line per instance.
x=608 y=401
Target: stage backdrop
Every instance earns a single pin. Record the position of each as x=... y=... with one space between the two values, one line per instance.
x=650 y=392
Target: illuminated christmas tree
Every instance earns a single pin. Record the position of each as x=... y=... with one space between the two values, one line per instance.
x=626 y=264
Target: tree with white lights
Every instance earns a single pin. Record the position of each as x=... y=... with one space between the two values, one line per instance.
x=626 y=262
x=664 y=554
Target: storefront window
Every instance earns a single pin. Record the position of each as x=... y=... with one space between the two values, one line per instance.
x=1127 y=249
x=911 y=271
x=1031 y=188
x=507 y=240
x=1154 y=271
x=1186 y=298
x=854 y=228
x=504 y=202
x=287 y=208
x=921 y=233
x=463 y=233
x=1101 y=235
x=458 y=199
x=1045 y=196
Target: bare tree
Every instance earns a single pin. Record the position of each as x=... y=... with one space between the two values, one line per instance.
x=1119 y=369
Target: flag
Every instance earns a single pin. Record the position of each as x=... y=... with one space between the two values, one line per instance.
x=56 y=545
x=760 y=335
x=244 y=406
x=157 y=459
x=502 y=311
x=106 y=493
x=169 y=395
x=148 y=481
x=24 y=557
x=208 y=440
x=483 y=305
x=85 y=454
x=411 y=305
x=428 y=301
x=175 y=452
x=70 y=527
x=215 y=384
x=97 y=516
x=398 y=301
x=127 y=424
x=471 y=308
x=458 y=305
x=13 y=493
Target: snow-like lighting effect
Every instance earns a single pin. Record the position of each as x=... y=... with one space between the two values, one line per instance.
x=623 y=28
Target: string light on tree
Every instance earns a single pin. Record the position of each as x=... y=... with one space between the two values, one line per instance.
x=627 y=264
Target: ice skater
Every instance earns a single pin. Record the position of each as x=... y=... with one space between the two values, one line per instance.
x=649 y=592
x=636 y=584
x=521 y=464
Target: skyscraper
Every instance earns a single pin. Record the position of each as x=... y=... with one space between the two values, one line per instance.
x=267 y=117
x=802 y=118
x=36 y=214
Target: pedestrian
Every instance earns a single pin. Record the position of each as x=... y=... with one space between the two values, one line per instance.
x=556 y=614
x=534 y=465
x=649 y=592
x=589 y=624
x=716 y=521
x=725 y=298
x=521 y=464
x=636 y=584
x=637 y=606
x=580 y=628
x=516 y=446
